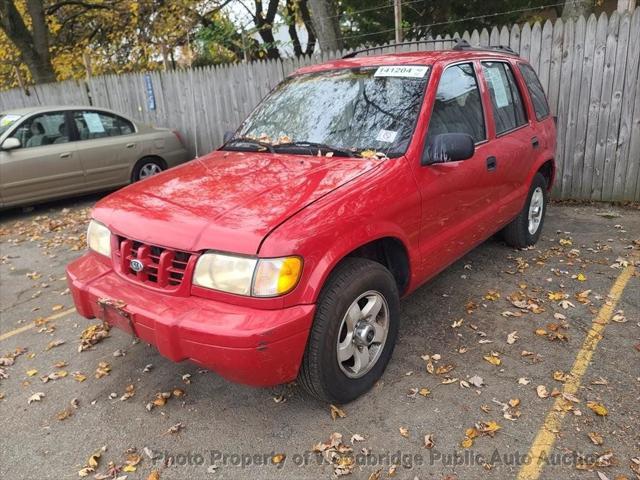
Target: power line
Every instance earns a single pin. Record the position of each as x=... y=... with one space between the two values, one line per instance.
x=459 y=20
x=475 y=17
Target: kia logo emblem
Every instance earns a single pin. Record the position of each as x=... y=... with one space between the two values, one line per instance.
x=136 y=265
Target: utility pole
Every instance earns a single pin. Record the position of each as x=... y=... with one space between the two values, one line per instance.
x=244 y=45
x=397 y=15
x=86 y=59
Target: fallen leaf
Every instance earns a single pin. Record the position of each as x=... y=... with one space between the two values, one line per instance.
x=477 y=381
x=542 y=391
x=154 y=475
x=598 y=408
x=103 y=369
x=428 y=441
x=524 y=381
x=36 y=397
x=512 y=337
x=492 y=295
x=32 y=372
x=337 y=412
x=278 y=458
x=404 y=432
x=175 y=428
x=54 y=343
x=493 y=359
x=571 y=397
x=596 y=438
x=424 y=391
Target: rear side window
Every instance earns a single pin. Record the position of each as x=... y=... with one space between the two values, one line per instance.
x=91 y=124
x=458 y=108
x=508 y=108
x=536 y=92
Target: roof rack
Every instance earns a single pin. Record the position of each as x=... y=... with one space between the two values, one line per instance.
x=464 y=45
x=417 y=42
x=461 y=45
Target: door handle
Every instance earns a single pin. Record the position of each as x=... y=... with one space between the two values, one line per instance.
x=492 y=163
x=535 y=142
x=65 y=155
x=130 y=145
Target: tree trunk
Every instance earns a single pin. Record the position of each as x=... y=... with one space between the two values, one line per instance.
x=576 y=8
x=308 y=24
x=291 y=23
x=33 y=45
x=264 y=24
x=324 y=14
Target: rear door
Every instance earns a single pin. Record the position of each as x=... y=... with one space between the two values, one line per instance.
x=514 y=140
x=107 y=146
x=46 y=166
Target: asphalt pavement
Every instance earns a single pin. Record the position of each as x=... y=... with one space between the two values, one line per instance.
x=510 y=364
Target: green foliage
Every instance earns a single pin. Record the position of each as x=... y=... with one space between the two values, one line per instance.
x=432 y=17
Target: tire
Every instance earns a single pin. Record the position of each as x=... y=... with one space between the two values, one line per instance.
x=518 y=233
x=147 y=167
x=321 y=373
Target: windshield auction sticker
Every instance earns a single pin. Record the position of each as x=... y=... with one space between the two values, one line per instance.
x=409 y=71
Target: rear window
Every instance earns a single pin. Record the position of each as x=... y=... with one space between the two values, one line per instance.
x=538 y=98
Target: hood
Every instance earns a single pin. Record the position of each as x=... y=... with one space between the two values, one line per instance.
x=226 y=201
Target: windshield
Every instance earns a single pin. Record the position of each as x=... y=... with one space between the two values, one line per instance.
x=358 y=109
x=6 y=120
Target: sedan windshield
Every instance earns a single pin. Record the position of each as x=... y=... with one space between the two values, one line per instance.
x=6 y=120
x=343 y=111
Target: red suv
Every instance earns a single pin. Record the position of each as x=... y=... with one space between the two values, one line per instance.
x=284 y=254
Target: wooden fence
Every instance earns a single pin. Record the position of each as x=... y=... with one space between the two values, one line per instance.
x=589 y=68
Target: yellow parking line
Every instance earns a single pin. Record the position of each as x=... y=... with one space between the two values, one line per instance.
x=546 y=436
x=55 y=316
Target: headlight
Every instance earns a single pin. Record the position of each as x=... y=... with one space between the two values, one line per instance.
x=99 y=238
x=247 y=276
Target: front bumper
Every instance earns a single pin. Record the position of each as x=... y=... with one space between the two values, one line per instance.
x=245 y=345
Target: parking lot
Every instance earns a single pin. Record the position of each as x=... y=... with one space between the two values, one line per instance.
x=506 y=356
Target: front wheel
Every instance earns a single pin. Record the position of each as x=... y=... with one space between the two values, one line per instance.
x=526 y=228
x=354 y=332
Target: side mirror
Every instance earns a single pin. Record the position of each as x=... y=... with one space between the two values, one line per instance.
x=11 y=143
x=228 y=135
x=448 y=147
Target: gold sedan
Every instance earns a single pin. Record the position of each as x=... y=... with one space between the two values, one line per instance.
x=53 y=152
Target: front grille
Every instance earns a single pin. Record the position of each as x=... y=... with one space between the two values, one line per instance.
x=162 y=267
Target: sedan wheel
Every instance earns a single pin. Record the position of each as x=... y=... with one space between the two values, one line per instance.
x=149 y=169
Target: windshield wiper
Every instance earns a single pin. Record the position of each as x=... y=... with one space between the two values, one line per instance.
x=319 y=146
x=251 y=141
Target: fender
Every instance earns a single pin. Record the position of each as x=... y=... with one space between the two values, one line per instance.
x=383 y=204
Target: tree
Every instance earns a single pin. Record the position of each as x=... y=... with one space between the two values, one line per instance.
x=50 y=37
x=326 y=22
x=33 y=43
x=364 y=23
